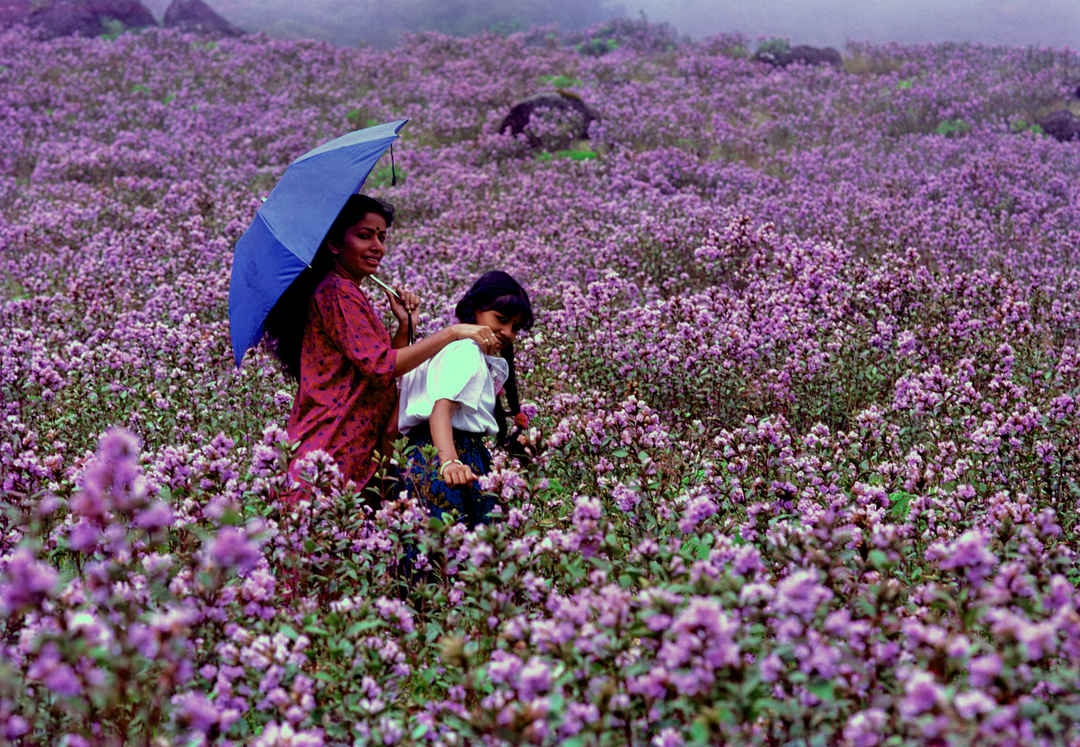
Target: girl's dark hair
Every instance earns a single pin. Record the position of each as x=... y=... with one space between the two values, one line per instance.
x=284 y=325
x=497 y=291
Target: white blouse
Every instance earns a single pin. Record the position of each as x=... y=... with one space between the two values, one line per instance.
x=459 y=372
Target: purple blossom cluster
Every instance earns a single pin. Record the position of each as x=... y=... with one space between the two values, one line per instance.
x=803 y=398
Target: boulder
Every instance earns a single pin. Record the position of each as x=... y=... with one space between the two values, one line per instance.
x=580 y=116
x=131 y=13
x=802 y=54
x=75 y=17
x=807 y=55
x=1061 y=125
x=195 y=15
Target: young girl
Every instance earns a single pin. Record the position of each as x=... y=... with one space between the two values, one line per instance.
x=452 y=402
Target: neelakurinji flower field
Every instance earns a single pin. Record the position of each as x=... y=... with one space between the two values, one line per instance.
x=804 y=395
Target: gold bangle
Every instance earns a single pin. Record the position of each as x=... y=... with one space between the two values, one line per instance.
x=444 y=465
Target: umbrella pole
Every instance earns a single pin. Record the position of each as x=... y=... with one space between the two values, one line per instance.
x=394 y=293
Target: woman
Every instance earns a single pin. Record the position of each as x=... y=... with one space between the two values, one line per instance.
x=328 y=337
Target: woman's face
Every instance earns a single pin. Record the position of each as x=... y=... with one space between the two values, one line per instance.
x=363 y=247
x=505 y=327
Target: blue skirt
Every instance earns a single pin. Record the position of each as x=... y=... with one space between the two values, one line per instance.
x=470 y=503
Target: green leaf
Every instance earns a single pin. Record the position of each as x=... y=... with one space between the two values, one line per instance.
x=878 y=559
x=360 y=627
x=823 y=690
x=699 y=732
x=1070 y=711
x=508 y=572
x=901 y=505
x=556 y=702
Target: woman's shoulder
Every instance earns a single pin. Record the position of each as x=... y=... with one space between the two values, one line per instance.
x=335 y=288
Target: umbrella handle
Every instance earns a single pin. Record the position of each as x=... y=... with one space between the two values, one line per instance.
x=394 y=293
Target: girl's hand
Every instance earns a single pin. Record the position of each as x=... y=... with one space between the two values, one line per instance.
x=455 y=473
x=402 y=309
x=482 y=335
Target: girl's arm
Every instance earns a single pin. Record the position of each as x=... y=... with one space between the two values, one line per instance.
x=451 y=470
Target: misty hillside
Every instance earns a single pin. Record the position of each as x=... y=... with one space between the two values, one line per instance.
x=832 y=22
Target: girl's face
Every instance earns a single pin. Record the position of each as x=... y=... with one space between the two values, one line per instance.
x=505 y=327
x=363 y=248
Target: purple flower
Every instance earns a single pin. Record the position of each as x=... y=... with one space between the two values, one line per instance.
x=283 y=735
x=800 y=594
x=668 y=737
x=968 y=553
x=118 y=445
x=503 y=667
x=232 y=549
x=196 y=711
x=586 y=511
x=921 y=694
x=57 y=675
x=157 y=516
x=533 y=678
x=973 y=703
x=983 y=669
x=865 y=728
x=28 y=581
x=697 y=509
x=16 y=726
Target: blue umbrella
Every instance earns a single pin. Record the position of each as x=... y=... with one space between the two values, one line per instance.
x=290 y=225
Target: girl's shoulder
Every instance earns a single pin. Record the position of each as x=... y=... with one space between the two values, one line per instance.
x=461 y=352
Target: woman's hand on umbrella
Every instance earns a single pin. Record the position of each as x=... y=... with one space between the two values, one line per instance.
x=405 y=304
x=483 y=335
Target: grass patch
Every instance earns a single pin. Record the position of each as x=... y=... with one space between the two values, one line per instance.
x=567 y=153
x=952 y=128
x=561 y=81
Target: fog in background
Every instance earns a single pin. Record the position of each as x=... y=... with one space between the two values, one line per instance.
x=1044 y=23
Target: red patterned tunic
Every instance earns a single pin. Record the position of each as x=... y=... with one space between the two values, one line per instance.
x=347 y=395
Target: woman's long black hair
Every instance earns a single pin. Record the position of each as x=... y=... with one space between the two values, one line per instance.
x=497 y=291
x=285 y=324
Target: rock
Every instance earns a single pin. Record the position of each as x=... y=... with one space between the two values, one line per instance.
x=131 y=13
x=802 y=54
x=815 y=56
x=75 y=17
x=195 y=15
x=1061 y=125
x=59 y=18
x=563 y=102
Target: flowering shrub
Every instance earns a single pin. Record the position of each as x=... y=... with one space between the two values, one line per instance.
x=801 y=397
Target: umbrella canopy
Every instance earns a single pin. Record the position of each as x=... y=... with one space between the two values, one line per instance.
x=290 y=225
